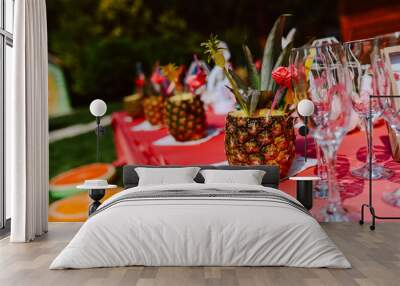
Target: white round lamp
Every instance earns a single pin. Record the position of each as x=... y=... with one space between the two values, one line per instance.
x=98 y=108
x=305 y=107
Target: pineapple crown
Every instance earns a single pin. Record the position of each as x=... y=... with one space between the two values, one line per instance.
x=213 y=50
x=194 y=82
x=172 y=72
x=165 y=79
x=261 y=89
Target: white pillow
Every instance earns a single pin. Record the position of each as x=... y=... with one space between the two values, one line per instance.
x=166 y=176
x=248 y=177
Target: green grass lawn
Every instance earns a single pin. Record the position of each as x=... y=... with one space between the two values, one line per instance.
x=80 y=150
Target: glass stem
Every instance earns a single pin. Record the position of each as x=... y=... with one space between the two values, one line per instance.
x=370 y=148
x=321 y=167
x=333 y=192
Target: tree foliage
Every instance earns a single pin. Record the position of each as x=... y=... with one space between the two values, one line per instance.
x=99 y=41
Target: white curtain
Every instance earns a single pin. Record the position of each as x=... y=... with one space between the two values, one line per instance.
x=27 y=123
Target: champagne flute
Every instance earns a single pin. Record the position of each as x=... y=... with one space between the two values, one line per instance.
x=322 y=76
x=358 y=56
x=321 y=187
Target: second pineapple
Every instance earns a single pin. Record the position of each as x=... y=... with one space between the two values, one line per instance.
x=186 y=117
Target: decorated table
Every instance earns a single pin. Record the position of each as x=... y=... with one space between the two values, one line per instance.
x=135 y=146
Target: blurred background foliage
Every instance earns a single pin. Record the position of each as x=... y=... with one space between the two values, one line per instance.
x=98 y=42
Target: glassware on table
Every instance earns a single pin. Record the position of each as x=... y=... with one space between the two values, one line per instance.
x=320 y=75
x=358 y=56
x=383 y=87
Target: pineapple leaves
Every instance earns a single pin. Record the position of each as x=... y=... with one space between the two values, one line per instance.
x=273 y=48
x=254 y=99
x=249 y=96
x=254 y=77
x=239 y=96
x=214 y=51
x=172 y=72
x=242 y=99
x=240 y=83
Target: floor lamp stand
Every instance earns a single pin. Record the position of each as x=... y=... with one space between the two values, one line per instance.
x=370 y=205
x=99 y=132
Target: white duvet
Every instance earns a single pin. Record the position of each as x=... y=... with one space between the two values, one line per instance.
x=202 y=232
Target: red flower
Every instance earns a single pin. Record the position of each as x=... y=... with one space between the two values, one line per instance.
x=282 y=76
x=396 y=76
x=258 y=65
x=197 y=80
x=140 y=81
x=157 y=78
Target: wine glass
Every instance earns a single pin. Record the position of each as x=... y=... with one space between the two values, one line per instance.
x=386 y=86
x=321 y=186
x=358 y=56
x=320 y=75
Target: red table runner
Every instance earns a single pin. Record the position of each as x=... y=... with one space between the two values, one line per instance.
x=136 y=147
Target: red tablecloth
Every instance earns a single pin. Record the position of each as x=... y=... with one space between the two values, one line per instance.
x=136 y=147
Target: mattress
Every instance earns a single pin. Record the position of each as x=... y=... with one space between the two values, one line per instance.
x=201 y=225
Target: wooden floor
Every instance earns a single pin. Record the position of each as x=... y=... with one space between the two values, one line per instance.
x=375 y=257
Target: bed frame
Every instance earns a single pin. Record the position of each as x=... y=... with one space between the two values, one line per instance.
x=271 y=178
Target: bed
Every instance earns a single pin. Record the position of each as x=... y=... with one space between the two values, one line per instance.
x=198 y=224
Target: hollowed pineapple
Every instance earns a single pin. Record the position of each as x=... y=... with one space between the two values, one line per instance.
x=186 y=117
x=259 y=140
x=153 y=107
x=133 y=105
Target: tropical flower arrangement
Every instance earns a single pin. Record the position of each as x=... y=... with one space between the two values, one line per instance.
x=261 y=131
x=272 y=85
